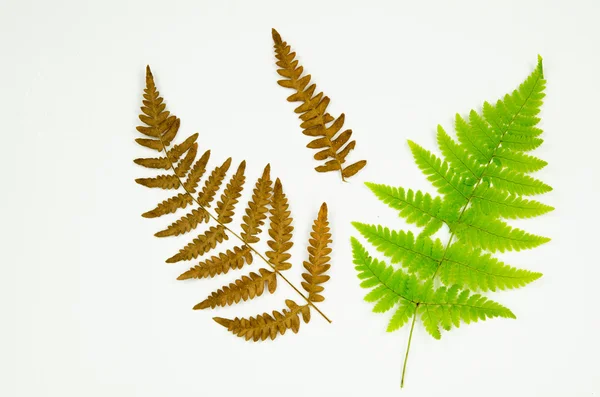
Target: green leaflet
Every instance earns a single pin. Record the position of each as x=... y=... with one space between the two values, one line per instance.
x=483 y=178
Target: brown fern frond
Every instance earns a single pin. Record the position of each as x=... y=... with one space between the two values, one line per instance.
x=157 y=163
x=266 y=326
x=154 y=144
x=244 y=288
x=316 y=122
x=169 y=206
x=201 y=244
x=184 y=164
x=161 y=181
x=157 y=120
x=184 y=172
x=177 y=150
x=213 y=183
x=318 y=259
x=198 y=170
x=186 y=223
x=220 y=265
x=256 y=212
x=231 y=194
x=280 y=230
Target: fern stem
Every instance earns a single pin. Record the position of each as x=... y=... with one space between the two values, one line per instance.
x=412 y=327
x=240 y=238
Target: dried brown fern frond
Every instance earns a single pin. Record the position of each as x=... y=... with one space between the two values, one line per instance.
x=184 y=174
x=316 y=122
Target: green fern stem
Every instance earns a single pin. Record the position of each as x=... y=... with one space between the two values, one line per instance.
x=240 y=238
x=480 y=178
x=412 y=327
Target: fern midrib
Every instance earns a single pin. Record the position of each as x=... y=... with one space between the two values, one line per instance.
x=482 y=174
x=321 y=124
x=164 y=148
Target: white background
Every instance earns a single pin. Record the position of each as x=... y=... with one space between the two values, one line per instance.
x=88 y=306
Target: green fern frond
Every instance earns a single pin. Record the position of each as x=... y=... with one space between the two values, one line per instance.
x=483 y=178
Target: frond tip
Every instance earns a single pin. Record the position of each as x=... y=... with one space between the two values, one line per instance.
x=334 y=146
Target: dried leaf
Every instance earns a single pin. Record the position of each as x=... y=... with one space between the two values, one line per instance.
x=280 y=230
x=245 y=288
x=318 y=259
x=313 y=113
x=185 y=173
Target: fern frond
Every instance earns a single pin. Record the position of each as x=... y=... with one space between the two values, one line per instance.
x=482 y=178
x=318 y=259
x=420 y=254
x=316 y=122
x=175 y=153
x=196 y=173
x=154 y=162
x=186 y=223
x=440 y=174
x=169 y=206
x=493 y=235
x=231 y=259
x=515 y=182
x=257 y=210
x=416 y=207
x=247 y=287
x=233 y=191
x=213 y=183
x=184 y=164
x=460 y=159
x=477 y=270
x=517 y=161
x=266 y=326
x=162 y=181
x=201 y=244
x=494 y=202
x=445 y=307
x=280 y=230
x=184 y=173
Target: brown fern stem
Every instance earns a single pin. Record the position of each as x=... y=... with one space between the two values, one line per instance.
x=164 y=148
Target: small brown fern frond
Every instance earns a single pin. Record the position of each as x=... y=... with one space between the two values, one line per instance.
x=318 y=259
x=316 y=122
x=231 y=259
x=157 y=163
x=266 y=326
x=201 y=244
x=161 y=181
x=174 y=154
x=245 y=288
x=195 y=175
x=185 y=174
x=233 y=191
x=186 y=223
x=184 y=164
x=213 y=183
x=280 y=230
x=257 y=210
x=169 y=206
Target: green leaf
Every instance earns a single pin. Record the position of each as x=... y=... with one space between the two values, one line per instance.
x=418 y=255
x=482 y=178
x=494 y=235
